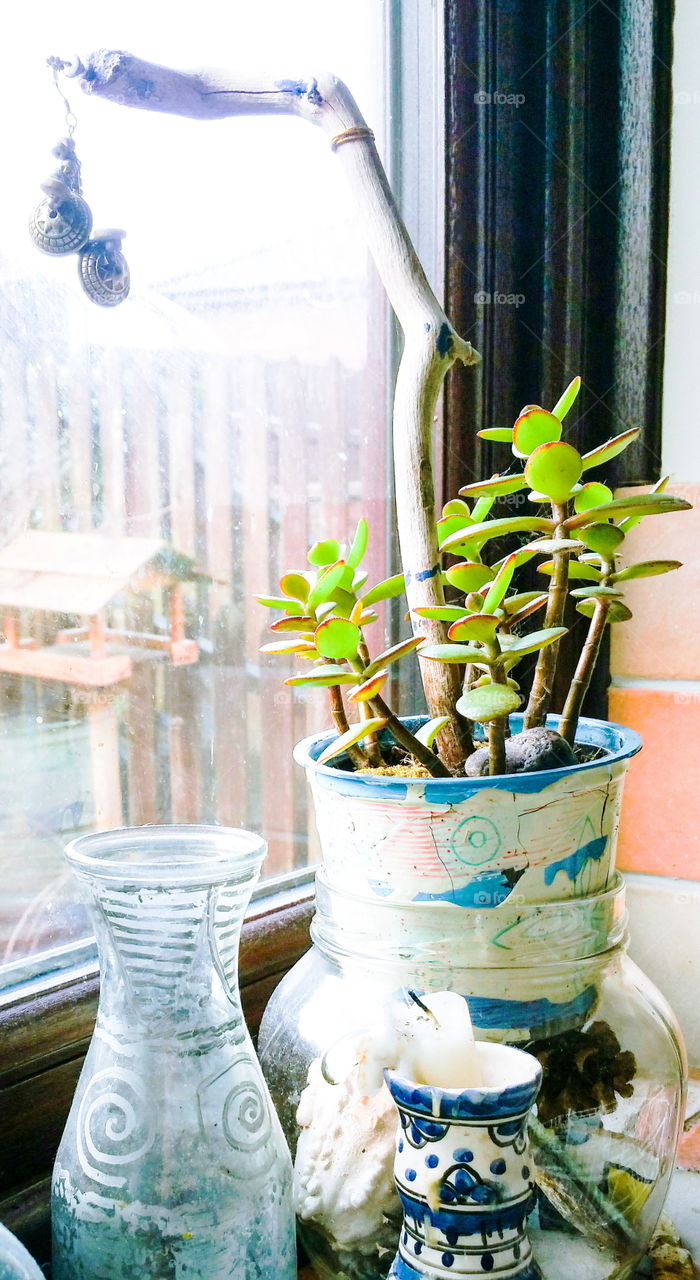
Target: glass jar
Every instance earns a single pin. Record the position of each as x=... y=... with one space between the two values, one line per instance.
x=15 y=1262
x=609 y=1112
x=172 y=1163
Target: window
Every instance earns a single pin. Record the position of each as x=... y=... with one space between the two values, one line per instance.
x=233 y=410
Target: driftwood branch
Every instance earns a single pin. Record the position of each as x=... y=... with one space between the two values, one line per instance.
x=431 y=345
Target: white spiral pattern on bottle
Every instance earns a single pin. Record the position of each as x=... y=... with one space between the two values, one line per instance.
x=127 y=1126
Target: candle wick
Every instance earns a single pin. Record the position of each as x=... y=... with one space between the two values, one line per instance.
x=417 y=1000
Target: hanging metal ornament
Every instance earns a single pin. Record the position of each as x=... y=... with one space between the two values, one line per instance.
x=61 y=223
x=104 y=272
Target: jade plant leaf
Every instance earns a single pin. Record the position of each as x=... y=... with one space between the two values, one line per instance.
x=592 y=494
x=598 y=592
x=323 y=676
x=645 y=569
x=547 y=546
x=500 y=584
x=481 y=627
x=502 y=434
x=359 y=544
x=488 y=679
x=450 y=526
x=441 y=612
x=604 y=539
x=452 y=653
x=369 y=688
x=640 y=504
x=497 y=487
x=567 y=398
x=288 y=646
x=532 y=429
x=488 y=702
x=554 y=469
x=616 y=611
x=456 y=507
x=295 y=585
x=388 y=589
x=576 y=571
x=324 y=553
x=482 y=506
x=521 y=645
x=350 y=738
x=337 y=637
x=610 y=449
x=299 y=622
x=468 y=576
x=631 y=521
x=481 y=533
x=429 y=731
x=526 y=610
x=393 y=654
x=280 y=602
x=515 y=603
x=325 y=585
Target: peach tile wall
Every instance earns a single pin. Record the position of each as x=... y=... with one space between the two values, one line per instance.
x=655 y=671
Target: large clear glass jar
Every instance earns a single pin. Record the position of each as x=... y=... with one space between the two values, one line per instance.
x=608 y=1115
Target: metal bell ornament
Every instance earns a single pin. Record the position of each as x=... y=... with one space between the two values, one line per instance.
x=104 y=273
x=62 y=222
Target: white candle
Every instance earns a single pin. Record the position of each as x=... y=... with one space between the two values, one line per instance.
x=439 y=1043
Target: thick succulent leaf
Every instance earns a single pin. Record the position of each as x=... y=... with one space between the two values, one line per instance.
x=481 y=533
x=456 y=507
x=521 y=645
x=449 y=526
x=350 y=738
x=337 y=637
x=488 y=702
x=388 y=589
x=429 y=731
x=324 y=676
x=645 y=569
x=604 y=539
x=441 y=612
x=502 y=434
x=326 y=584
x=369 y=688
x=532 y=429
x=497 y=487
x=523 y=557
x=488 y=679
x=452 y=653
x=296 y=623
x=526 y=610
x=554 y=469
x=567 y=398
x=482 y=506
x=500 y=584
x=289 y=646
x=359 y=544
x=640 y=504
x=616 y=611
x=295 y=585
x=547 y=546
x=481 y=627
x=515 y=603
x=598 y=592
x=393 y=654
x=359 y=579
x=280 y=602
x=468 y=576
x=576 y=571
x=604 y=452
x=592 y=494
x=631 y=521
x=324 y=553
x=367 y=616
x=322 y=610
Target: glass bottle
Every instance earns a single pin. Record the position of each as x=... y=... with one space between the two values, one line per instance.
x=15 y=1262
x=173 y=1163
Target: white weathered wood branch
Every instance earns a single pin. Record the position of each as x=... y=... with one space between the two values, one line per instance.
x=431 y=345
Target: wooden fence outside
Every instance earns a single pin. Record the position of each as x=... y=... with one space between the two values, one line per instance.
x=239 y=464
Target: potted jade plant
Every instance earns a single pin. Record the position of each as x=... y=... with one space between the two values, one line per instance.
x=472 y=847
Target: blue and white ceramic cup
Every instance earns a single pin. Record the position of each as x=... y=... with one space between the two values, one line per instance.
x=464 y=1172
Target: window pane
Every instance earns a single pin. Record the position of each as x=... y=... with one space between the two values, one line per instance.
x=232 y=411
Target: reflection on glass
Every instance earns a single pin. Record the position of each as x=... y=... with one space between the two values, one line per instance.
x=232 y=411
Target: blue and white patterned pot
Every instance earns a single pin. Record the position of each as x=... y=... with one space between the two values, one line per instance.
x=464 y=1173
x=474 y=842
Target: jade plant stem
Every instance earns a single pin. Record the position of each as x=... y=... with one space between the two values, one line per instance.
x=340 y=720
x=423 y=754
x=541 y=692
x=584 y=671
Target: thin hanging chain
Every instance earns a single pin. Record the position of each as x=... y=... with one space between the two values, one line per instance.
x=57 y=64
